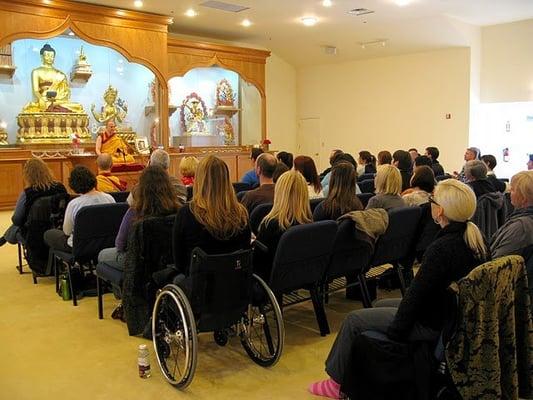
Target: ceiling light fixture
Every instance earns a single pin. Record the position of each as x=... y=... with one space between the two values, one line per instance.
x=360 y=11
x=382 y=42
x=71 y=33
x=402 y=3
x=191 y=13
x=327 y=3
x=246 y=22
x=309 y=21
x=138 y=3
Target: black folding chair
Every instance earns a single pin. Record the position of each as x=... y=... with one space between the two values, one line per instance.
x=367 y=186
x=395 y=244
x=365 y=197
x=257 y=215
x=301 y=259
x=364 y=177
x=95 y=228
x=315 y=202
x=120 y=197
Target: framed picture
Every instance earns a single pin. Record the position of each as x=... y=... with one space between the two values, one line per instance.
x=141 y=145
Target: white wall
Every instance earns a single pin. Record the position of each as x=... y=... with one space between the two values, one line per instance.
x=507 y=62
x=391 y=103
x=281 y=104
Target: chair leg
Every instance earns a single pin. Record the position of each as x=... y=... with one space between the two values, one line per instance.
x=100 y=299
x=19 y=267
x=56 y=272
x=72 y=291
x=399 y=270
x=34 y=278
x=320 y=313
x=365 y=294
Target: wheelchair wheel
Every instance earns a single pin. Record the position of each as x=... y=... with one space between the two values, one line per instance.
x=174 y=336
x=262 y=331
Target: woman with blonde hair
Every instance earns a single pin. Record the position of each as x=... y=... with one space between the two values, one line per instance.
x=187 y=170
x=421 y=314
x=39 y=182
x=291 y=207
x=388 y=183
x=214 y=220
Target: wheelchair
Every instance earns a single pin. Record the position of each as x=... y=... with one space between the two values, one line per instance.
x=220 y=295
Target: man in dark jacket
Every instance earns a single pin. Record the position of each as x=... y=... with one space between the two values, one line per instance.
x=433 y=153
x=490 y=162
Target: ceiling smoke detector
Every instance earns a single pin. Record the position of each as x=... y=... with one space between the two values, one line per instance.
x=330 y=50
x=360 y=11
x=220 y=5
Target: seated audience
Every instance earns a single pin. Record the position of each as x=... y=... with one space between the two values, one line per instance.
x=306 y=166
x=286 y=158
x=250 y=177
x=421 y=314
x=161 y=159
x=384 y=157
x=517 y=232
x=413 y=153
x=367 y=163
x=265 y=166
x=401 y=159
x=39 y=182
x=344 y=157
x=291 y=207
x=490 y=163
x=334 y=154
x=475 y=173
x=280 y=169
x=154 y=197
x=422 y=185
x=214 y=220
x=83 y=182
x=472 y=153
x=341 y=197
x=388 y=182
x=187 y=170
x=433 y=153
x=105 y=181
x=530 y=163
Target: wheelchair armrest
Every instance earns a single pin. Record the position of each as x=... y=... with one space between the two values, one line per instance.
x=164 y=276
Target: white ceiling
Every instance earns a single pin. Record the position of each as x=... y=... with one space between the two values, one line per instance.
x=419 y=26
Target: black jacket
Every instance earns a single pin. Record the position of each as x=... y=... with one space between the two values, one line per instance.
x=446 y=260
x=481 y=187
x=498 y=185
x=406 y=179
x=438 y=170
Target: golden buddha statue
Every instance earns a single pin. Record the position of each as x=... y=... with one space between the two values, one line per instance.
x=50 y=87
x=113 y=110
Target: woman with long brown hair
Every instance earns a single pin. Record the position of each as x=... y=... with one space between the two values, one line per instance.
x=291 y=207
x=39 y=182
x=341 y=196
x=306 y=166
x=214 y=220
x=155 y=196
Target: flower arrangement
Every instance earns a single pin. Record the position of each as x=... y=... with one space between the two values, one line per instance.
x=76 y=141
x=266 y=142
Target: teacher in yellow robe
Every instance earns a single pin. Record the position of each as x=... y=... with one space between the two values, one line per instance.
x=109 y=142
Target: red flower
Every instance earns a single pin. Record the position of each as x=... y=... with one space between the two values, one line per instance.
x=267 y=141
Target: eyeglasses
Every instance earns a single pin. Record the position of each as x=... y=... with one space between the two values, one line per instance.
x=431 y=199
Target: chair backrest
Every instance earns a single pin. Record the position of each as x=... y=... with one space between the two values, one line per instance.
x=489 y=213
x=315 y=202
x=364 y=197
x=302 y=256
x=240 y=187
x=427 y=229
x=240 y=195
x=120 y=197
x=95 y=228
x=364 y=177
x=491 y=351
x=350 y=254
x=367 y=186
x=221 y=287
x=317 y=211
x=257 y=215
x=397 y=240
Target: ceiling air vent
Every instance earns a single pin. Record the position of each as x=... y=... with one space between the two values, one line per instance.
x=220 y=5
x=360 y=11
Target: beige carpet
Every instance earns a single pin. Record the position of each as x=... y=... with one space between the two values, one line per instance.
x=52 y=350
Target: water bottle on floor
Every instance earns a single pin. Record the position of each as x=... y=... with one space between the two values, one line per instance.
x=144 y=361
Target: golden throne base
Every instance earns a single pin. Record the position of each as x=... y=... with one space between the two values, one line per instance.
x=52 y=128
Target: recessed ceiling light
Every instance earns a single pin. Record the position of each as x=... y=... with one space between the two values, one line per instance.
x=309 y=21
x=120 y=12
x=327 y=3
x=71 y=33
x=246 y=22
x=191 y=13
x=138 y=3
x=402 y=3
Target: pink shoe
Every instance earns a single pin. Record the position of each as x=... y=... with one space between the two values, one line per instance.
x=328 y=388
